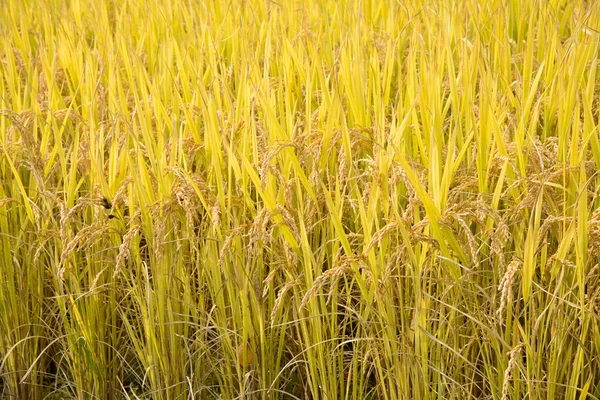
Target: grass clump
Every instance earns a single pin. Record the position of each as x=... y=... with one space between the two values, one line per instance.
x=310 y=200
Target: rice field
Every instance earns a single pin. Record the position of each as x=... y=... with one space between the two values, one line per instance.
x=257 y=199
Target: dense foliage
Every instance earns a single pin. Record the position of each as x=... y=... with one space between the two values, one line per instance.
x=299 y=199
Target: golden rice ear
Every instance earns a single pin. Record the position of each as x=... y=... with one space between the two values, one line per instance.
x=245 y=354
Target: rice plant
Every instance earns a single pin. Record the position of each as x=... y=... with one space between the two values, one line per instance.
x=299 y=200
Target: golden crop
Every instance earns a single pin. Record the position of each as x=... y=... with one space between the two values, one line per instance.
x=299 y=200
